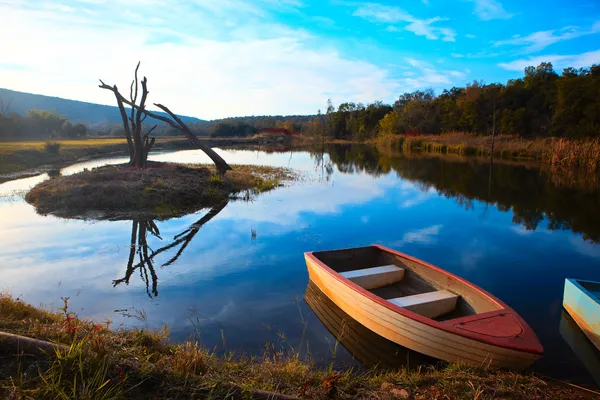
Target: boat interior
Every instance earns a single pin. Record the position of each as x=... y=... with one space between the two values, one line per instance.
x=408 y=284
x=591 y=287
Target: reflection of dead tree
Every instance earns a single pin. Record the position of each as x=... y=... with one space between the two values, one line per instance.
x=140 y=246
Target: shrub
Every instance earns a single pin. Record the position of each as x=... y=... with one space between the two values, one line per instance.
x=52 y=147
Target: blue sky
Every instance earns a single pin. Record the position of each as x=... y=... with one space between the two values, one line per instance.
x=218 y=58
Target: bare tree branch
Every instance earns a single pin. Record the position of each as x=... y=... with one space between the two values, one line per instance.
x=125 y=123
x=221 y=164
x=132 y=96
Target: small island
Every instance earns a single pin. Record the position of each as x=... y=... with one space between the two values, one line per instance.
x=158 y=191
x=145 y=189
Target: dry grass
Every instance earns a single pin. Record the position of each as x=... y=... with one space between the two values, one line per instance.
x=16 y=157
x=561 y=153
x=159 y=191
x=463 y=144
x=19 y=156
x=573 y=154
x=101 y=363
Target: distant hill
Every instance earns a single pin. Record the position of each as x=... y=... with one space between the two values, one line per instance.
x=21 y=103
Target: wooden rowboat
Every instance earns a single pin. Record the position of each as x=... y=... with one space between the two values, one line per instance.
x=422 y=307
x=582 y=301
x=362 y=343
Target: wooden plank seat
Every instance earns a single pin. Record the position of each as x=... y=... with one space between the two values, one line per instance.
x=430 y=305
x=375 y=277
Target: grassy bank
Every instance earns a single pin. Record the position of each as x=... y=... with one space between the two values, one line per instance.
x=557 y=153
x=97 y=362
x=20 y=156
x=161 y=190
x=17 y=157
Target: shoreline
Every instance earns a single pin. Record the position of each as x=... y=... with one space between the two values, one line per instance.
x=91 y=356
x=28 y=158
x=24 y=159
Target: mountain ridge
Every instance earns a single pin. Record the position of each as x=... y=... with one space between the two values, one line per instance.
x=75 y=110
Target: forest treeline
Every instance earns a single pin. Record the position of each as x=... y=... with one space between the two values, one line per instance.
x=542 y=103
x=43 y=124
x=38 y=124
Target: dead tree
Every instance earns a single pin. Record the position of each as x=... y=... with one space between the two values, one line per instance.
x=139 y=146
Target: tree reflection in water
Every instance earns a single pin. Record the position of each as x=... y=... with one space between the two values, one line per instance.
x=532 y=194
x=145 y=255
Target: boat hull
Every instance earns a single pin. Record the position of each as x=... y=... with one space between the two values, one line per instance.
x=584 y=308
x=409 y=332
x=585 y=351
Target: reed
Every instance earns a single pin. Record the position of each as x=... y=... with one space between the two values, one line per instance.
x=576 y=154
x=573 y=154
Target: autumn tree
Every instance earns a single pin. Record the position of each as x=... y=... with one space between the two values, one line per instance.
x=390 y=124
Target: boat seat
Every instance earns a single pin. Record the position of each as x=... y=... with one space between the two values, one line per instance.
x=430 y=305
x=375 y=277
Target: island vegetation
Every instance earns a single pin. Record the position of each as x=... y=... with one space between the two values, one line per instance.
x=160 y=190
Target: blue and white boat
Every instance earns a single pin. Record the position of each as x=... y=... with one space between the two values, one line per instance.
x=582 y=302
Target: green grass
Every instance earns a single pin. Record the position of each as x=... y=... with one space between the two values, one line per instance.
x=101 y=363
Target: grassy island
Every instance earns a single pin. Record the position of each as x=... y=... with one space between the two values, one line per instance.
x=159 y=190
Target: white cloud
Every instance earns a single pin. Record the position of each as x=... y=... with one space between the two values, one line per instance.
x=392 y=15
x=542 y=39
x=421 y=236
x=417 y=63
x=424 y=75
x=470 y=36
x=521 y=230
x=379 y=13
x=584 y=247
x=490 y=9
x=197 y=64
x=557 y=60
x=473 y=253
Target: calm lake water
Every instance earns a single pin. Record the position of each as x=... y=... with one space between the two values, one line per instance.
x=511 y=231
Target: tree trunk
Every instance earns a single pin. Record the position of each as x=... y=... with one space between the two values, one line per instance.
x=139 y=146
x=222 y=166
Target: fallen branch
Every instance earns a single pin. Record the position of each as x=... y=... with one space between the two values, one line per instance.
x=29 y=345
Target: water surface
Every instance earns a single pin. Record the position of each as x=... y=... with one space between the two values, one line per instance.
x=235 y=276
